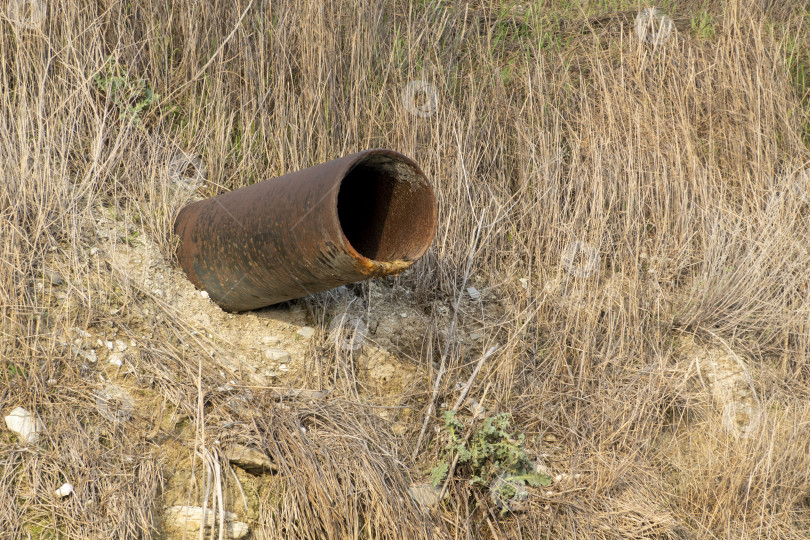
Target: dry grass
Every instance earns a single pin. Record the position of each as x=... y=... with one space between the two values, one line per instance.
x=679 y=164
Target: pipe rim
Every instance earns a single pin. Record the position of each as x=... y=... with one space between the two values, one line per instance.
x=424 y=223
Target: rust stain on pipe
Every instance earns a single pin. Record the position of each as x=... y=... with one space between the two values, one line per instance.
x=368 y=214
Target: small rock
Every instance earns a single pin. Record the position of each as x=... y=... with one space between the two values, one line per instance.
x=250 y=459
x=277 y=355
x=25 y=424
x=93 y=250
x=524 y=282
x=541 y=468
x=204 y=294
x=64 y=490
x=284 y=368
x=477 y=409
x=404 y=315
x=120 y=345
x=258 y=379
x=54 y=277
x=306 y=332
x=116 y=359
x=192 y=519
x=90 y=355
x=474 y=293
x=425 y=494
x=270 y=340
x=109 y=344
x=82 y=333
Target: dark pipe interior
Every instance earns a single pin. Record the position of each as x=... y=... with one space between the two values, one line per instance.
x=387 y=210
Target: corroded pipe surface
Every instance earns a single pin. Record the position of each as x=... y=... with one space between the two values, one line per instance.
x=364 y=215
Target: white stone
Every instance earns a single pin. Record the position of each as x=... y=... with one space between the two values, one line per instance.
x=474 y=293
x=116 y=359
x=192 y=519
x=64 y=490
x=306 y=332
x=120 y=345
x=89 y=355
x=425 y=494
x=109 y=344
x=477 y=409
x=25 y=424
x=524 y=282
x=204 y=294
x=276 y=355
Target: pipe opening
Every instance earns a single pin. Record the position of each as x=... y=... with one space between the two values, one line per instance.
x=387 y=209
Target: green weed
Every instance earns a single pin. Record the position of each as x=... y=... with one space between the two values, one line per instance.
x=131 y=96
x=490 y=451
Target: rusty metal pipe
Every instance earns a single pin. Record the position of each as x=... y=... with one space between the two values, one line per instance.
x=368 y=214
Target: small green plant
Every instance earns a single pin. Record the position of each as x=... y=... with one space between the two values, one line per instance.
x=16 y=371
x=703 y=25
x=490 y=452
x=131 y=96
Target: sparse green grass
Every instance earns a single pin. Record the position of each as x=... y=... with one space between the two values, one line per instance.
x=703 y=25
